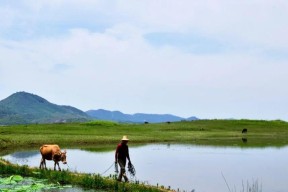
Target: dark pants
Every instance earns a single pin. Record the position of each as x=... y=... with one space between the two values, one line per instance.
x=122 y=164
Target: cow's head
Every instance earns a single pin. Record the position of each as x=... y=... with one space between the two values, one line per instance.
x=63 y=157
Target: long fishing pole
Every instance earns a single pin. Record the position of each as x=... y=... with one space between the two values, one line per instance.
x=107 y=169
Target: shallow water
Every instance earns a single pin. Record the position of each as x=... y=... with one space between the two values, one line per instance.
x=186 y=167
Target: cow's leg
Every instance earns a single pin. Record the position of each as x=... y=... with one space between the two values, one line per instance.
x=44 y=162
x=58 y=166
x=56 y=163
x=41 y=164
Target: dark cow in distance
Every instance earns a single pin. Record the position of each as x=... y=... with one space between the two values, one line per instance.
x=244 y=131
x=52 y=152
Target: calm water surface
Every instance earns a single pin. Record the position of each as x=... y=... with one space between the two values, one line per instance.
x=186 y=167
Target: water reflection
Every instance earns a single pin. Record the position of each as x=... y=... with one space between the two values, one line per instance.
x=26 y=154
x=23 y=157
x=186 y=167
x=244 y=140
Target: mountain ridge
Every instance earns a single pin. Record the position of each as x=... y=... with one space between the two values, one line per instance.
x=27 y=108
x=137 y=117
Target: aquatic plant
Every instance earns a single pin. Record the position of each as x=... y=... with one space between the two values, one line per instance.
x=17 y=183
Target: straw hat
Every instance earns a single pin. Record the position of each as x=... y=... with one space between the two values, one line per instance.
x=125 y=138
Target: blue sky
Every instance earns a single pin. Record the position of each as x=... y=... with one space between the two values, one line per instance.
x=210 y=59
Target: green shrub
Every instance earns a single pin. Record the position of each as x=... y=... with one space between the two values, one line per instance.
x=101 y=123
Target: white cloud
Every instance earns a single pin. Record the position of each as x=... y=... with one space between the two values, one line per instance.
x=241 y=22
x=116 y=68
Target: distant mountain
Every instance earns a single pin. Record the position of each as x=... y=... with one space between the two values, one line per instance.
x=136 y=118
x=25 y=108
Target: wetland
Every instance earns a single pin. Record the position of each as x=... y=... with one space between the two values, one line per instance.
x=184 y=167
x=200 y=155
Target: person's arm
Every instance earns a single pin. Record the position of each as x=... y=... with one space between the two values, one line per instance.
x=116 y=154
x=128 y=156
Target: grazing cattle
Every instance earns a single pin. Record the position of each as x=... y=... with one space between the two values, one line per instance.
x=244 y=131
x=52 y=152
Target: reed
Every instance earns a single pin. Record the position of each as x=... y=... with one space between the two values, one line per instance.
x=249 y=187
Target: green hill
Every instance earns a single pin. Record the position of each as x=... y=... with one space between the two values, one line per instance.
x=26 y=108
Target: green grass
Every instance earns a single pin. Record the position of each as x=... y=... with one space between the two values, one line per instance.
x=86 y=181
x=104 y=135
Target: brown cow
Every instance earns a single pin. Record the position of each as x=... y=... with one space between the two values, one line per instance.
x=52 y=152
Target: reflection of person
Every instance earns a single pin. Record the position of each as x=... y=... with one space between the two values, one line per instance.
x=121 y=154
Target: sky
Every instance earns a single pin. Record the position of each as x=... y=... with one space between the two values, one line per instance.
x=213 y=59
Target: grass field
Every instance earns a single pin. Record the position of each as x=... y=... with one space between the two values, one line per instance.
x=101 y=135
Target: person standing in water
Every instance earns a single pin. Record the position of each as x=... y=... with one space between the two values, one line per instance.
x=121 y=154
